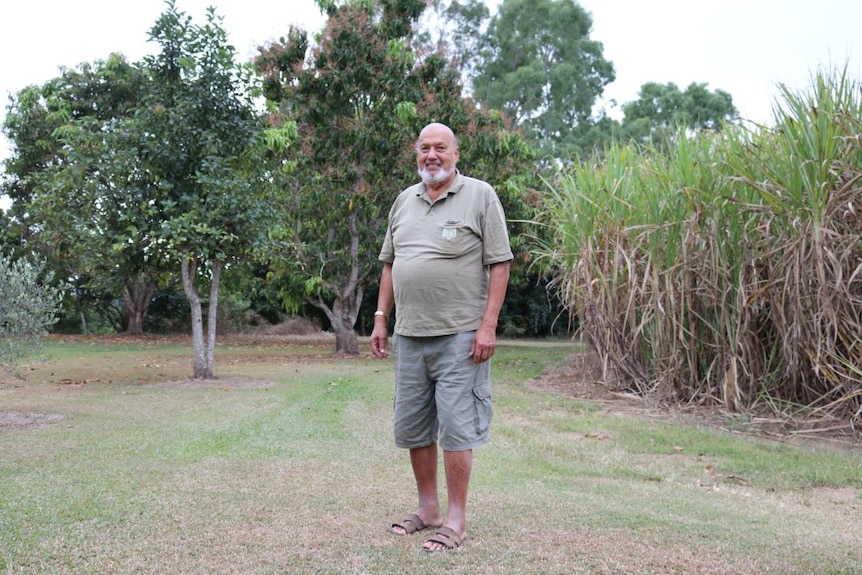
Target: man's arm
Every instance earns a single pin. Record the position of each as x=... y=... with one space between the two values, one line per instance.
x=485 y=341
x=385 y=302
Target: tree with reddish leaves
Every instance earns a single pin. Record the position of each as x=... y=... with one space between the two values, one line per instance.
x=359 y=98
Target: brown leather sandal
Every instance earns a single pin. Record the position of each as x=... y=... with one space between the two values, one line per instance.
x=412 y=524
x=447 y=538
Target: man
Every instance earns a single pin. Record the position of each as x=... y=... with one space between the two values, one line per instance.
x=446 y=265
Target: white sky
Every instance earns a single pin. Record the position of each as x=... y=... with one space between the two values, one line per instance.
x=744 y=47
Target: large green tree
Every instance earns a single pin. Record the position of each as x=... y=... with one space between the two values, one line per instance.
x=661 y=109
x=359 y=101
x=199 y=141
x=456 y=29
x=8 y=239
x=69 y=202
x=29 y=126
x=539 y=65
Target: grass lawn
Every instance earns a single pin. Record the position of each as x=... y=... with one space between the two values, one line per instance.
x=112 y=462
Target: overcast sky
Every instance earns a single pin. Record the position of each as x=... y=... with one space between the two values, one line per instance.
x=744 y=47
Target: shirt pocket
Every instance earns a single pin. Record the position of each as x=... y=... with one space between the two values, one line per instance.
x=456 y=238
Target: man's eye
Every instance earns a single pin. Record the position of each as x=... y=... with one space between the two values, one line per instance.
x=438 y=149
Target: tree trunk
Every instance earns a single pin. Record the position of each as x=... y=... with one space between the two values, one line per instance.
x=346 y=342
x=345 y=307
x=137 y=296
x=342 y=316
x=189 y=271
x=212 y=314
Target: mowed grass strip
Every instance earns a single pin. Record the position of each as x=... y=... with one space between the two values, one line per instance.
x=286 y=465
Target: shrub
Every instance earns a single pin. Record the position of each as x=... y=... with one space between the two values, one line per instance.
x=28 y=306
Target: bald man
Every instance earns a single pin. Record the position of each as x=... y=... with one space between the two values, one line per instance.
x=446 y=259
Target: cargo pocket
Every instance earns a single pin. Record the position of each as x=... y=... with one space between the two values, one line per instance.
x=484 y=408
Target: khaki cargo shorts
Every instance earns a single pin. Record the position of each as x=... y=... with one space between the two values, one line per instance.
x=440 y=394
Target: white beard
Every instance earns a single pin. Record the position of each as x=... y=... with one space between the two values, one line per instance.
x=429 y=178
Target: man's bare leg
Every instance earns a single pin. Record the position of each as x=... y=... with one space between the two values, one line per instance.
x=424 y=463
x=458 y=466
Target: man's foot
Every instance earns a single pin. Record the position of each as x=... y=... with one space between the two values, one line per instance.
x=444 y=539
x=412 y=524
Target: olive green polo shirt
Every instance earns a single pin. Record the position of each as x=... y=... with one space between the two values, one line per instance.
x=440 y=252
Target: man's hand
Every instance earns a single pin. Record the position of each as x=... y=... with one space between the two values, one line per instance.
x=484 y=344
x=378 y=340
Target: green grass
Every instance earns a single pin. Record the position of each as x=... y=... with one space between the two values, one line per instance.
x=299 y=475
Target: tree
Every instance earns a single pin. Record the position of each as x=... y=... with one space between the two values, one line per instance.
x=74 y=187
x=29 y=127
x=200 y=145
x=359 y=102
x=28 y=305
x=662 y=108
x=8 y=240
x=457 y=30
x=345 y=102
x=92 y=206
x=540 y=67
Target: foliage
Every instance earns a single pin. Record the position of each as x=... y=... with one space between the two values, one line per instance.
x=90 y=206
x=346 y=102
x=536 y=62
x=123 y=173
x=806 y=174
x=726 y=268
x=8 y=239
x=661 y=109
x=540 y=67
x=532 y=308
x=91 y=311
x=28 y=304
x=169 y=311
x=201 y=147
x=359 y=102
x=457 y=30
x=29 y=126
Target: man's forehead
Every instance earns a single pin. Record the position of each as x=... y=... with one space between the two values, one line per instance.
x=435 y=141
x=435 y=135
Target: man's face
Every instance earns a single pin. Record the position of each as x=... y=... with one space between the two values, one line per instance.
x=436 y=155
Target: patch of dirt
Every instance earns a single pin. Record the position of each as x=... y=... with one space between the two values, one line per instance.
x=227 y=383
x=17 y=421
x=319 y=339
x=581 y=377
